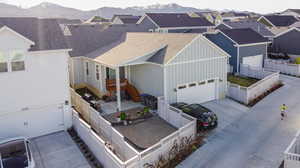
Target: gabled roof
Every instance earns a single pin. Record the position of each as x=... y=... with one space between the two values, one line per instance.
x=92 y=40
x=280 y=20
x=253 y=24
x=120 y=15
x=45 y=33
x=287 y=31
x=170 y=20
x=130 y=19
x=295 y=10
x=244 y=36
x=164 y=46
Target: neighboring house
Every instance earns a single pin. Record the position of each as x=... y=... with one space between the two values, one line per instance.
x=278 y=23
x=245 y=46
x=98 y=19
x=253 y=24
x=292 y=12
x=68 y=21
x=35 y=97
x=287 y=42
x=174 y=22
x=213 y=16
x=234 y=16
x=125 y=19
x=180 y=67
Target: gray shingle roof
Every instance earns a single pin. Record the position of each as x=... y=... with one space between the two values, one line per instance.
x=130 y=19
x=46 y=33
x=244 y=36
x=92 y=40
x=295 y=10
x=281 y=20
x=178 y=20
x=253 y=24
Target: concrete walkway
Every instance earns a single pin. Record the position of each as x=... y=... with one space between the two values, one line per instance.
x=258 y=139
x=57 y=151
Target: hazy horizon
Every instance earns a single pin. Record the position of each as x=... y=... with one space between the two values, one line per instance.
x=266 y=6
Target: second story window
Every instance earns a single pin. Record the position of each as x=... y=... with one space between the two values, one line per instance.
x=17 y=61
x=3 y=62
x=97 y=72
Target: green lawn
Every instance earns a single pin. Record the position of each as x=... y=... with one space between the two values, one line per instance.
x=242 y=81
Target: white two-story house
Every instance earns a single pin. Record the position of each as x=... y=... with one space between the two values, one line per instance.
x=34 y=82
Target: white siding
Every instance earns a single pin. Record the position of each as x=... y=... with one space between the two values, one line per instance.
x=147 y=78
x=198 y=49
x=28 y=98
x=198 y=62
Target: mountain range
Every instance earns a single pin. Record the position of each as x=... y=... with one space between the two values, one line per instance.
x=51 y=10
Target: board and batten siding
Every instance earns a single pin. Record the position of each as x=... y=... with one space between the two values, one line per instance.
x=147 y=78
x=200 y=61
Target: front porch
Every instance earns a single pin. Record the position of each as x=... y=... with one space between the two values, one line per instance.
x=105 y=107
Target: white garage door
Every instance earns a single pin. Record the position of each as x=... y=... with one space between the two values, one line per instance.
x=197 y=92
x=32 y=123
x=253 y=61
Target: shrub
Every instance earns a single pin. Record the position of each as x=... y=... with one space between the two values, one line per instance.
x=298 y=60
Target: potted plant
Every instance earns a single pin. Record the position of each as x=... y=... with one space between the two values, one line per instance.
x=123 y=117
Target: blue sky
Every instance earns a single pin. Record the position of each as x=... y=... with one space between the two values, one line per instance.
x=263 y=6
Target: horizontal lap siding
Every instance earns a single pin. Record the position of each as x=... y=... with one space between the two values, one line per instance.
x=91 y=78
x=197 y=70
x=253 y=51
x=227 y=45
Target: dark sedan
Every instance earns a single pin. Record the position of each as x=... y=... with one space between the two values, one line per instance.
x=206 y=119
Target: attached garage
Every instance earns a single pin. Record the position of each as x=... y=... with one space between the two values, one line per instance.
x=32 y=123
x=197 y=92
x=253 y=61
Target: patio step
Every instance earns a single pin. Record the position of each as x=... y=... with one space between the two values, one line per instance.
x=94 y=163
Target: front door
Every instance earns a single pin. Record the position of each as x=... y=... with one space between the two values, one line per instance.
x=111 y=73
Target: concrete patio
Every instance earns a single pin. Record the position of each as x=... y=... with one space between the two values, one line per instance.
x=57 y=151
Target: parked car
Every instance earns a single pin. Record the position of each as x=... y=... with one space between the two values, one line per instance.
x=206 y=119
x=16 y=153
x=179 y=105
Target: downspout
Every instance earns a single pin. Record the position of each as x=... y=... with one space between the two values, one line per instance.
x=238 y=59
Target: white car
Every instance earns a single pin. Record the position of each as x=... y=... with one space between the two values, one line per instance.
x=16 y=153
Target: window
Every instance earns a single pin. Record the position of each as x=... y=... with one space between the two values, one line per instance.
x=3 y=63
x=17 y=61
x=211 y=81
x=87 y=68
x=202 y=83
x=192 y=84
x=97 y=72
x=182 y=87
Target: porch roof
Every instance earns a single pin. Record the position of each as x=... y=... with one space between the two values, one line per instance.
x=139 y=45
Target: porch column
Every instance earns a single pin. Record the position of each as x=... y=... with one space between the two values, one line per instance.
x=118 y=88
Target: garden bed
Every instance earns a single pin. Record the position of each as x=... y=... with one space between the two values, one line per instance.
x=241 y=80
x=179 y=152
x=259 y=98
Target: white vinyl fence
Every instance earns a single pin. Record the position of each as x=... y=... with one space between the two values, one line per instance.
x=292 y=153
x=96 y=132
x=247 y=94
x=283 y=67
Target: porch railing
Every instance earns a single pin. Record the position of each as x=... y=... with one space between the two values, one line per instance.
x=292 y=153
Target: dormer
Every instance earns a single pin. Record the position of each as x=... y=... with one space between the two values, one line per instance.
x=13 y=49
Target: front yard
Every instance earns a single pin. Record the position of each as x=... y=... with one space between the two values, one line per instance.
x=242 y=81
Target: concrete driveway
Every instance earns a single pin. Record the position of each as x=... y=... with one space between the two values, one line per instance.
x=258 y=138
x=57 y=151
x=228 y=112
